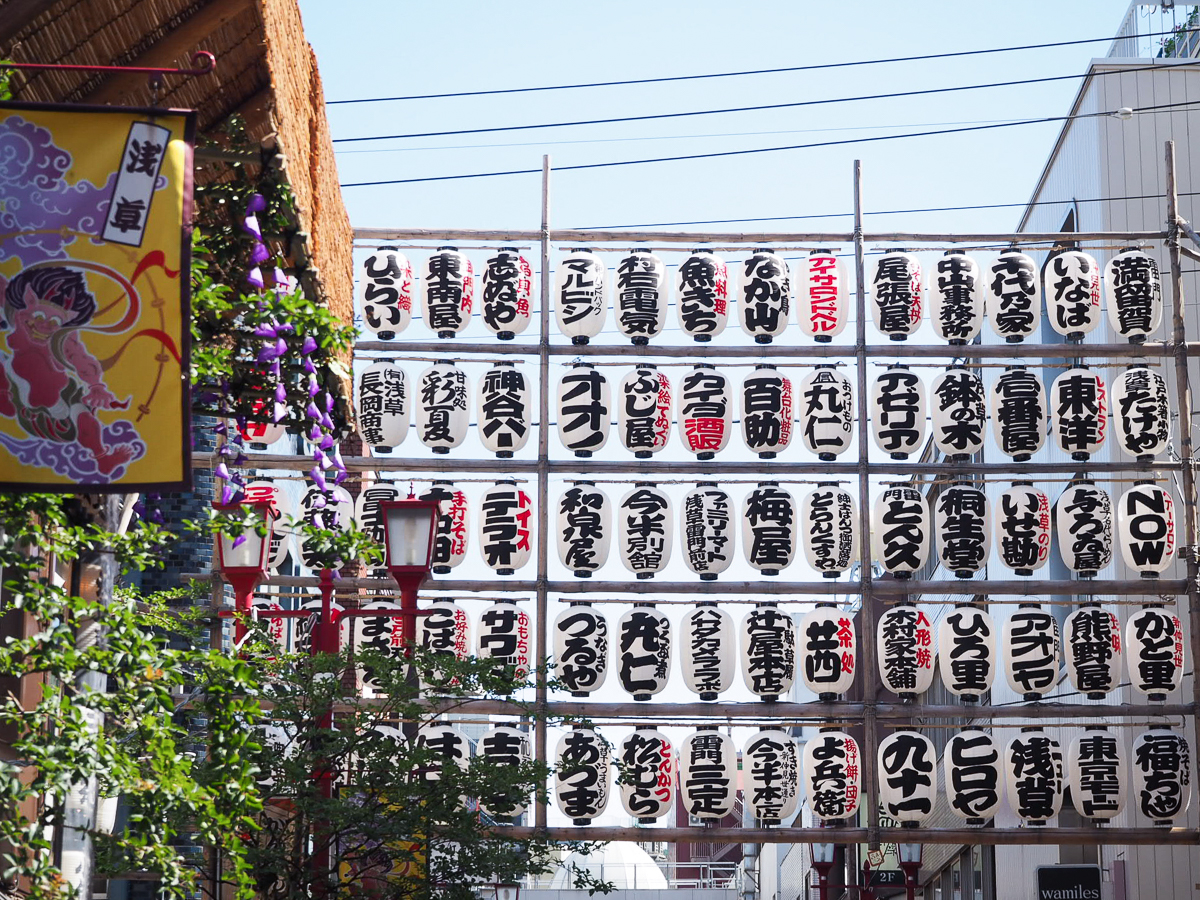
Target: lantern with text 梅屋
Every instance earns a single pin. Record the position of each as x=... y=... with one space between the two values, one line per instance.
x=768 y=651
x=506 y=292
x=1019 y=412
x=702 y=295
x=582 y=775
x=640 y=296
x=1162 y=774
x=505 y=533
x=958 y=414
x=896 y=294
x=829 y=530
x=956 y=297
x=767 y=413
x=708 y=773
x=964 y=529
x=901 y=531
x=643 y=654
x=1033 y=774
x=386 y=287
x=447 y=746
x=898 y=412
x=822 y=308
x=706 y=530
x=646 y=774
x=1072 y=282
x=645 y=530
x=504 y=418
x=584 y=409
x=906 y=650
x=453 y=526
x=771 y=771
x=332 y=509
x=1146 y=528
x=972 y=775
x=503 y=636
x=580 y=302
x=707 y=650
x=825 y=412
x=444 y=631
x=828 y=646
x=443 y=398
x=1094 y=650
x=832 y=775
x=1030 y=645
x=644 y=411
x=508 y=747
x=1013 y=296
x=967 y=651
x=1141 y=412
x=769 y=528
x=1079 y=412
x=384 y=405
x=705 y=411
x=1083 y=518
x=584 y=528
x=581 y=649
x=764 y=295
x=908 y=782
x=1023 y=525
x=1133 y=288
x=1154 y=646
x=448 y=292
x=1096 y=773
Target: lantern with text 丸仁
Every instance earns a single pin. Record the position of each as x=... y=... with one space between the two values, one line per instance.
x=967 y=652
x=448 y=292
x=771 y=771
x=1146 y=529
x=829 y=530
x=1141 y=412
x=822 y=308
x=584 y=528
x=1033 y=774
x=584 y=409
x=901 y=531
x=1096 y=773
x=956 y=297
x=768 y=651
x=1072 y=282
x=908 y=779
x=1154 y=647
x=644 y=411
x=505 y=533
x=582 y=775
x=645 y=530
x=906 y=650
x=898 y=412
x=769 y=528
x=896 y=294
x=1023 y=525
x=384 y=405
x=507 y=289
x=1133 y=289
x=1083 y=519
x=647 y=774
x=828 y=645
x=504 y=419
x=964 y=529
x=1013 y=296
x=1019 y=412
x=581 y=649
x=706 y=530
x=958 y=416
x=825 y=412
x=705 y=411
x=1162 y=774
x=972 y=776
x=832 y=775
x=707 y=650
x=444 y=631
x=386 y=288
x=580 y=302
x=1079 y=412
x=503 y=636
x=508 y=747
x=640 y=296
x=443 y=399
x=453 y=526
x=708 y=774
x=767 y=413
x=643 y=654
x=1094 y=650
x=702 y=295
x=1030 y=646
x=764 y=295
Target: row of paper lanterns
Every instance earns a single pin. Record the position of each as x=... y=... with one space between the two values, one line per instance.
x=959 y=293
x=819 y=410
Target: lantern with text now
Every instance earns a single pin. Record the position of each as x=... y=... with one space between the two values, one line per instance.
x=453 y=526
x=581 y=649
x=828 y=647
x=384 y=405
x=706 y=530
x=972 y=775
x=1033 y=774
x=1141 y=412
x=368 y=508
x=646 y=762
x=386 y=286
x=1023 y=525
x=829 y=530
x=584 y=528
x=702 y=295
x=644 y=411
x=1162 y=775
x=448 y=292
x=1013 y=296
x=645 y=530
x=958 y=414
x=1020 y=417
x=1072 y=282
x=1154 y=646
x=331 y=508
x=1079 y=412
x=505 y=529
x=584 y=408
x=1133 y=290
x=705 y=411
x=768 y=651
x=822 y=307
x=707 y=650
x=708 y=774
x=643 y=654
x=769 y=528
x=504 y=412
x=1094 y=650
x=504 y=636
x=956 y=292
x=967 y=652
x=1146 y=529
x=580 y=301
x=509 y=748
x=764 y=295
x=767 y=413
x=1096 y=773
x=898 y=412
x=264 y=490
x=443 y=400
x=896 y=294
x=445 y=631
x=771 y=775
x=832 y=771
x=964 y=529
x=906 y=650
x=447 y=746
x=640 y=296
x=1030 y=645
x=908 y=782
x=901 y=531
x=825 y=412
x=506 y=292
x=582 y=775
x=1083 y=518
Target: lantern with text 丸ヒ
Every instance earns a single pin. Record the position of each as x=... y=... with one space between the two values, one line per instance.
x=447 y=746
x=956 y=293
x=504 y=415
x=453 y=526
x=584 y=409
x=640 y=296
x=584 y=528
x=580 y=302
x=1033 y=774
x=645 y=530
x=706 y=530
x=896 y=299
x=908 y=782
x=1154 y=649
x=768 y=651
x=898 y=412
x=707 y=650
x=384 y=405
x=1023 y=524
x=1133 y=289
x=708 y=774
x=828 y=646
x=582 y=775
x=767 y=414
x=972 y=776
x=1083 y=519
x=967 y=652
x=1030 y=645
x=443 y=400
x=448 y=292
x=1079 y=412
x=829 y=530
x=1019 y=413
x=901 y=531
x=503 y=636
x=646 y=761
x=964 y=530
x=958 y=413
x=1141 y=412
x=769 y=528
x=386 y=287
x=644 y=411
x=764 y=295
x=506 y=747
x=702 y=295
x=906 y=650
x=705 y=411
x=1096 y=773
x=1162 y=775
x=643 y=654
x=506 y=291
x=832 y=775
x=1072 y=282
x=505 y=534
x=1013 y=296
x=1094 y=651
x=581 y=649
x=822 y=306
x=445 y=631
x=825 y=412
x=771 y=772
x=332 y=509
x=1146 y=529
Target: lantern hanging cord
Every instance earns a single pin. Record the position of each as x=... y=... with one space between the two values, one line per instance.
x=758 y=360
x=962 y=479
x=1061 y=600
x=701 y=480
x=1022 y=362
x=1123 y=684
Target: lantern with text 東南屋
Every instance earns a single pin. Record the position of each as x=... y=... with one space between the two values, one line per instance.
x=580 y=301
x=643 y=653
x=767 y=413
x=967 y=651
x=1079 y=412
x=832 y=771
x=1030 y=647
x=582 y=775
x=503 y=636
x=908 y=782
x=645 y=530
x=640 y=296
x=443 y=398
x=901 y=531
x=448 y=292
x=1019 y=412
x=1013 y=296
x=1154 y=648
x=508 y=747
x=331 y=508
x=506 y=291
x=1141 y=412
x=706 y=530
x=1146 y=529
x=584 y=409
x=1033 y=774
x=972 y=776
x=769 y=528
x=829 y=530
x=644 y=410
x=707 y=653
x=1083 y=519
x=444 y=631
x=825 y=412
x=702 y=295
x=964 y=529
x=906 y=650
x=1072 y=282
x=705 y=411
x=896 y=294
x=504 y=414
x=956 y=292
x=386 y=287
x=1023 y=525
x=646 y=774
x=1133 y=289
x=958 y=413
x=1162 y=774
x=581 y=649
x=898 y=411
x=764 y=295
x=505 y=532
x=771 y=772
x=768 y=651
x=447 y=745
x=584 y=528
x=384 y=405
x=453 y=526
x=1094 y=650
x=822 y=307
x=828 y=646
x=708 y=773
x=1096 y=773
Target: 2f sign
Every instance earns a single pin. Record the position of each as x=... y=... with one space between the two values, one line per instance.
x=1068 y=882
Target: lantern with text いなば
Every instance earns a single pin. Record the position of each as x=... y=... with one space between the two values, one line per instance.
x=582 y=775
x=705 y=411
x=640 y=296
x=967 y=651
x=509 y=748
x=964 y=529
x=702 y=295
x=707 y=652
x=956 y=297
x=264 y=490
x=767 y=413
x=1096 y=773
x=503 y=636
x=1141 y=412
x=822 y=308
x=1083 y=518
x=445 y=631
x=443 y=398
x=769 y=528
x=507 y=289
x=1133 y=289
x=1094 y=650
x=708 y=774
x=1079 y=412
x=958 y=415
x=384 y=405
x=1154 y=647
x=901 y=531
x=447 y=745
x=1146 y=529
x=825 y=412
x=386 y=287
x=1013 y=296
x=332 y=509
x=504 y=418
x=453 y=526
x=645 y=530
x=646 y=762
x=1019 y=412
x=1033 y=774
x=1162 y=774
x=898 y=411
x=580 y=302
x=584 y=528
x=908 y=782
x=1072 y=282
x=504 y=527
x=1023 y=524
x=581 y=649
x=1030 y=645
x=832 y=771
x=896 y=294
x=643 y=654
x=584 y=407
x=972 y=776
x=768 y=651
x=771 y=770
x=644 y=411
x=448 y=292
x=906 y=650
x=764 y=295
x=706 y=530
x=828 y=645
x=829 y=530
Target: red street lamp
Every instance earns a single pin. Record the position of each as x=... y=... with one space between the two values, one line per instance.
x=910 y=862
x=822 y=861
x=409 y=528
x=245 y=558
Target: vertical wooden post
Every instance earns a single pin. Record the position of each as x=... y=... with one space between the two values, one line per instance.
x=543 y=491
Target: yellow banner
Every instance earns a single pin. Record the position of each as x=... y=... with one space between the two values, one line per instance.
x=95 y=213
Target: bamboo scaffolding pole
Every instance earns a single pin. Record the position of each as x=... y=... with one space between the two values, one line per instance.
x=542 y=644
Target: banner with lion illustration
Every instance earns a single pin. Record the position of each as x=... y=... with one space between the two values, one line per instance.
x=95 y=211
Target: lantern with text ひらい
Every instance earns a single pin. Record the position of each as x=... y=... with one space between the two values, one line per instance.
x=825 y=412
x=1013 y=296
x=644 y=411
x=706 y=530
x=768 y=651
x=1162 y=774
x=771 y=771
x=967 y=651
x=1094 y=650
x=1096 y=773
x=896 y=294
x=1079 y=412
x=1033 y=774
x=505 y=533
x=767 y=413
x=705 y=411
x=828 y=647
x=1154 y=648
x=898 y=411
x=1133 y=289
x=1072 y=282
x=1083 y=519
x=584 y=528
x=822 y=307
x=643 y=653
x=646 y=762
x=832 y=775
x=448 y=292
x=829 y=530
x=581 y=649
x=708 y=773
x=901 y=531
x=508 y=747
x=1019 y=413
x=584 y=408
x=956 y=297
x=580 y=301
x=1141 y=412
x=506 y=291
x=906 y=650
x=504 y=415
x=769 y=528
x=386 y=288
x=1023 y=526
x=1030 y=645
x=582 y=775
x=962 y=519
x=972 y=776
x=764 y=295
x=908 y=782
x=702 y=295
x=645 y=530
x=384 y=405
x=640 y=296
x=958 y=413
x=1146 y=529
x=503 y=636
x=443 y=398
x=707 y=652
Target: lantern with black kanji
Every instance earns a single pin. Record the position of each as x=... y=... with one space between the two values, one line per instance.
x=581 y=649
x=832 y=771
x=640 y=298
x=964 y=529
x=829 y=530
x=331 y=509
x=509 y=748
x=1033 y=773
x=705 y=411
x=643 y=654
x=908 y=777
x=1133 y=288
x=771 y=775
x=580 y=302
x=1094 y=650
x=967 y=651
x=582 y=775
x=708 y=773
x=764 y=295
x=504 y=414
x=958 y=415
x=368 y=514
x=504 y=636
x=822 y=307
x=971 y=762
x=956 y=297
x=1072 y=281
x=376 y=634
x=1146 y=528
x=906 y=650
x=444 y=631
x=584 y=409
x=1141 y=412
x=767 y=413
x=584 y=528
x=1013 y=296
x=768 y=651
x=1096 y=773
x=901 y=531
x=828 y=645
x=1030 y=646
x=646 y=774
x=645 y=530
x=1083 y=518
x=706 y=530
x=1079 y=412
x=825 y=411
x=447 y=745
x=707 y=650
x=448 y=292
x=1162 y=775
x=386 y=285
x=1023 y=525
x=505 y=528
x=702 y=295
x=644 y=411
x=1154 y=646
x=384 y=405
x=507 y=289
x=443 y=398
x=453 y=526
x=769 y=528
x=896 y=294
x=898 y=412
x=1019 y=413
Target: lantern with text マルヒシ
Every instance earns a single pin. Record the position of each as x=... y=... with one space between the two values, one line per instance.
x=646 y=774
x=447 y=745
x=1030 y=645
x=645 y=530
x=898 y=412
x=443 y=398
x=1162 y=774
x=707 y=650
x=967 y=651
x=640 y=296
x=453 y=526
x=1146 y=528
x=1141 y=412
x=386 y=287
x=505 y=534
x=584 y=410
x=1013 y=296
x=764 y=295
x=581 y=649
x=829 y=530
x=768 y=651
x=582 y=775
x=643 y=654
x=1133 y=289
x=584 y=528
x=503 y=636
x=906 y=650
x=644 y=411
x=908 y=782
x=508 y=747
x=1083 y=518
x=1154 y=648
x=706 y=530
x=901 y=531
x=896 y=295
x=708 y=773
x=767 y=413
x=832 y=770
x=825 y=412
x=769 y=528
x=444 y=631
x=1096 y=773
x=384 y=405
x=580 y=301
x=1072 y=282
x=1023 y=524
x=507 y=289
x=1019 y=413
x=958 y=413
x=828 y=647
x=1033 y=774
x=822 y=306
x=504 y=416
x=964 y=529
x=1094 y=650
x=1079 y=412
x=956 y=297
x=972 y=776
x=702 y=295
x=705 y=411
x=448 y=292
x=771 y=772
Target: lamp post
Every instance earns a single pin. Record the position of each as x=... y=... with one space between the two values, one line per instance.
x=245 y=558
x=822 y=861
x=409 y=527
x=910 y=862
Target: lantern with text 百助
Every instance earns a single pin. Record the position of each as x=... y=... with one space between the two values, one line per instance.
x=767 y=413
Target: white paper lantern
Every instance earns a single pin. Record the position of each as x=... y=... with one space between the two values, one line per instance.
x=264 y=490
x=581 y=649
x=1154 y=642
x=769 y=528
x=368 y=514
x=908 y=782
x=767 y=413
x=444 y=631
x=964 y=529
x=828 y=651
x=584 y=528
x=507 y=290
x=1146 y=529
x=582 y=775
x=906 y=650
x=504 y=636
x=702 y=295
x=829 y=530
x=381 y=634
x=1162 y=775
x=896 y=294
x=708 y=774
x=453 y=526
x=1083 y=519
x=448 y=292
x=1096 y=773
x=640 y=298
x=1031 y=651
x=1033 y=774
x=504 y=413
x=1072 y=281
x=643 y=651
x=262 y=408
x=645 y=530
x=1094 y=651
x=956 y=297
x=1133 y=288
x=771 y=772
x=1023 y=525
x=764 y=295
x=967 y=652
x=958 y=415
x=706 y=530
x=505 y=532
x=1141 y=412
x=644 y=411
x=448 y=746
x=580 y=302
x=386 y=285
x=898 y=412
x=384 y=405
x=584 y=410
x=1019 y=413
x=332 y=508
x=705 y=411
x=442 y=403
x=768 y=651
x=707 y=650
x=901 y=531
x=507 y=747
x=647 y=774
x=822 y=305
x=1013 y=296
x=832 y=775
x=1079 y=412
x=826 y=412
x=972 y=772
